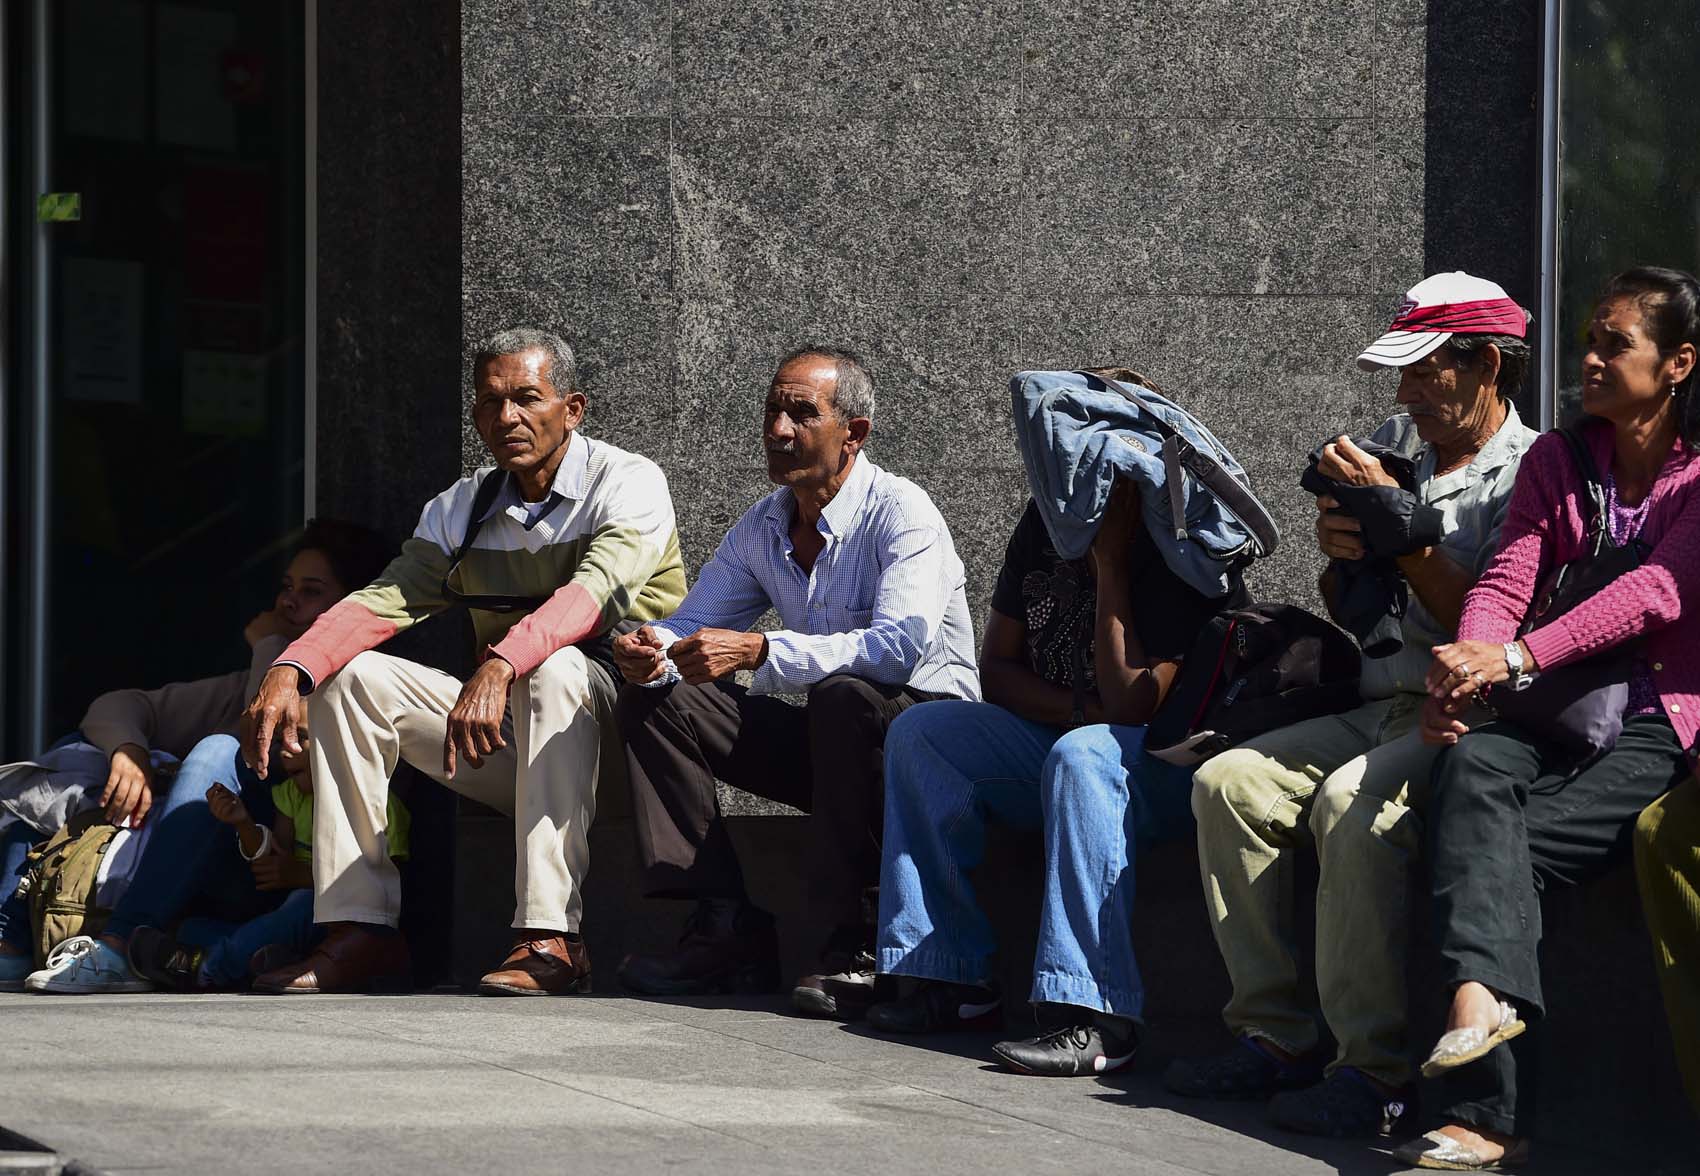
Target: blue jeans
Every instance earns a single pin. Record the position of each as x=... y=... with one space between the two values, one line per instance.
x=191 y=858
x=15 y=845
x=232 y=945
x=952 y=767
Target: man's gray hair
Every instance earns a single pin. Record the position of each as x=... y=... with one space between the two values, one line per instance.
x=853 y=394
x=563 y=368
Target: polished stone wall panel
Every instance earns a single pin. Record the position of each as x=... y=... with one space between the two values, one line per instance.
x=1231 y=195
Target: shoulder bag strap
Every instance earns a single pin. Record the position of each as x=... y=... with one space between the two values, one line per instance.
x=482 y=501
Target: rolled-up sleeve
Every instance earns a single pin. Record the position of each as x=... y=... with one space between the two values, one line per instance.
x=918 y=572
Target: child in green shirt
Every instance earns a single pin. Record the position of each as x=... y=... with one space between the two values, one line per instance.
x=211 y=954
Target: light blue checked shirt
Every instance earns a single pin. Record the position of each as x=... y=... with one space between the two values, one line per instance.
x=885 y=601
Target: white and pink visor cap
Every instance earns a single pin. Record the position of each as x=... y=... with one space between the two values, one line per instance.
x=1439 y=307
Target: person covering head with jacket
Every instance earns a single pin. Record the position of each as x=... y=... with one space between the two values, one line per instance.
x=564 y=539
x=1078 y=655
x=1516 y=809
x=1348 y=786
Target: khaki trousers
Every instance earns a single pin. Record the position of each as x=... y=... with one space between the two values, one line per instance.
x=1343 y=785
x=380 y=709
x=1667 y=865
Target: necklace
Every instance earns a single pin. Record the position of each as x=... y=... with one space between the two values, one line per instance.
x=1624 y=523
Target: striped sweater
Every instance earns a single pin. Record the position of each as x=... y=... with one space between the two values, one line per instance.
x=605 y=550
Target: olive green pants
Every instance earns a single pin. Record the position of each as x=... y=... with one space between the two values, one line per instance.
x=1667 y=866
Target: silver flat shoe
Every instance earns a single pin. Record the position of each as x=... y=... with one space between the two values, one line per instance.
x=1463 y=1046
x=1434 y=1150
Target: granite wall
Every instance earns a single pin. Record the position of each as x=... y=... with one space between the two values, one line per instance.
x=389 y=258
x=1228 y=195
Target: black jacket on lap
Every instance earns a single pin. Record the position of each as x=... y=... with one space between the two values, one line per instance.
x=1371 y=592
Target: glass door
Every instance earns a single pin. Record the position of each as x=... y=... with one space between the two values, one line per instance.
x=156 y=454
x=1628 y=190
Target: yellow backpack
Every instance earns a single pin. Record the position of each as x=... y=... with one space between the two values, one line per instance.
x=60 y=882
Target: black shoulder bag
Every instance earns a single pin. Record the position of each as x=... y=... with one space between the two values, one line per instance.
x=482 y=501
x=1578 y=706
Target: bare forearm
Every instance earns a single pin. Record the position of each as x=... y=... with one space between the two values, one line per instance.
x=249 y=837
x=1125 y=682
x=1016 y=688
x=1439 y=582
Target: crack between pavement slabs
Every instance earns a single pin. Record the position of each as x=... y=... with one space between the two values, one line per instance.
x=548 y=1081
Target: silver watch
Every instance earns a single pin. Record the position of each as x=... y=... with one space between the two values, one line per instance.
x=1515 y=663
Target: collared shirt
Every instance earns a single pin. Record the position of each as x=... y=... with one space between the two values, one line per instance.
x=568 y=483
x=1473 y=500
x=885 y=599
x=603 y=549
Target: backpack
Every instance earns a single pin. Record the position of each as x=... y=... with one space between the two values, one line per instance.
x=61 y=879
x=1252 y=670
x=1079 y=431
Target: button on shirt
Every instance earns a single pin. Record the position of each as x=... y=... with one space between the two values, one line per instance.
x=885 y=599
x=1473 y=501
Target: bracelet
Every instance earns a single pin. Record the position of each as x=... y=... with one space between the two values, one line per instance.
x=265 y=846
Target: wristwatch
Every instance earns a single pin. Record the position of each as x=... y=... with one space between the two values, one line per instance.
x=1514 y=662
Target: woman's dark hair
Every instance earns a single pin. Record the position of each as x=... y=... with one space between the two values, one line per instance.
x=356 y=554
x=1670 y=307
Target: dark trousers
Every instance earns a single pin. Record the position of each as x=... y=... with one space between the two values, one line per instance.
x=1510 y=817
x=827 y=758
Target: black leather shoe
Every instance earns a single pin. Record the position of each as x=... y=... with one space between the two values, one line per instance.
x=1097 y=1045
x=937 y=1006
x=1246 y=1070
x=1345 y=1105
x=842 y=990
x=716 y=953
x=169 y=965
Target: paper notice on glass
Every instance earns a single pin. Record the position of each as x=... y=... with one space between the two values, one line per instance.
x=189 y=48
x=103 y=69
x=224 y=392
x=100 y=327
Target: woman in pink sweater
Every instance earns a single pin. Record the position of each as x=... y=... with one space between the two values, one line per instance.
x=1513 y=813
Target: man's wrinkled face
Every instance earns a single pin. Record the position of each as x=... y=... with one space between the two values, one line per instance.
x=519 y=413
x=807 y=442
x=1444 y=395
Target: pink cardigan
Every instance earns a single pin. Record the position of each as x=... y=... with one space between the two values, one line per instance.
x=1661 y=599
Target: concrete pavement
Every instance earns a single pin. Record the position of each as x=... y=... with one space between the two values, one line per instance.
x=440 y=1083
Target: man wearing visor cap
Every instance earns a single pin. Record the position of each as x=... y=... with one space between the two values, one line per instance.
x=1350 y=785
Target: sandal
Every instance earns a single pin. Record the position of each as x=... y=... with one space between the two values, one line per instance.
x=1434 y=1150
x=1463 y=1046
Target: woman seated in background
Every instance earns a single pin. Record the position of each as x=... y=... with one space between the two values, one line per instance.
x=195 y=722
x=1077 y=657
x=1513 y=812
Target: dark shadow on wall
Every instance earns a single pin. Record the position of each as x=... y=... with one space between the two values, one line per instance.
x=389 y=403
x=1481 y=208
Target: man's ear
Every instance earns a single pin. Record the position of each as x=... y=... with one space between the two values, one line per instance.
x=1489 y=359
x=858 y=428
x=577 y=402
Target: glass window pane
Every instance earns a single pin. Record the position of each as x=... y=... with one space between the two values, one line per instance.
x=1629 y=166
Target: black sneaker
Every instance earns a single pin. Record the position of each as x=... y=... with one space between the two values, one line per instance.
x=1344 y=1105
x=167 y=964
x=843 y=989
x=1095 y=1044
x=725 y=947
x=938 y=1006
x=1245 y=1071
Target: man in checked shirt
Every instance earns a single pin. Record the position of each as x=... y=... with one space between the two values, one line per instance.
x=861 y=569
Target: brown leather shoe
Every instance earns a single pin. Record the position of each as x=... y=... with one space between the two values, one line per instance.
x=540 y=965
x=351 y=958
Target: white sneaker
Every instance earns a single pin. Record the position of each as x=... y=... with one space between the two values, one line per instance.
x=13 y=969
x=83 y=964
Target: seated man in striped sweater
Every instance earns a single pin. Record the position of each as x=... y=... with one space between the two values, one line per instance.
x=564 y=542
